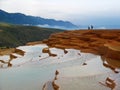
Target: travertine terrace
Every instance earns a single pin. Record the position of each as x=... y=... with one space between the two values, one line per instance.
x=102 y=42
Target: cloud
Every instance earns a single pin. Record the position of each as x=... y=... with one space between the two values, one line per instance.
x=76 y=11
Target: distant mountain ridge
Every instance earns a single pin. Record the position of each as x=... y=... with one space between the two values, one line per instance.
x=22 y=19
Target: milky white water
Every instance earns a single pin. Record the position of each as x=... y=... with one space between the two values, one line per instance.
x=34 y=69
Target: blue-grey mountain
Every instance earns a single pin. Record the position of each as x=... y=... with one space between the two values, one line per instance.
x=22 y=19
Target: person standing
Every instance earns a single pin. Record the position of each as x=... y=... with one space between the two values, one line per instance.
x=91 y=26
x=88 y=27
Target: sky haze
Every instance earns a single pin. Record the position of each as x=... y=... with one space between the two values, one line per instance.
x=80 y=12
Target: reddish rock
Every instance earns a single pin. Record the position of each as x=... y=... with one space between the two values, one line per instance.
x=65 y=51
x=91 y=41
x=18 y=51
x=55 y=86
x=45 y=50
x=12 y=57
x=56 y=73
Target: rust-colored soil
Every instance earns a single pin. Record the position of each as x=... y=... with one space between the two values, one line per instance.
x=34 y=43
x=10 y=51
x=101 y=42
x=6 y=51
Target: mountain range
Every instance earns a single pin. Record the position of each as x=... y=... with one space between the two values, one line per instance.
x=22 y=19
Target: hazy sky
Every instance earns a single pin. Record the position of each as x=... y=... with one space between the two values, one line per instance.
x=76 y=11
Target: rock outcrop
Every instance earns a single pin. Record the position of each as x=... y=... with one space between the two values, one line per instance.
x=55 y=86
x=20 y=52
x=46 y=50
x=101 y=42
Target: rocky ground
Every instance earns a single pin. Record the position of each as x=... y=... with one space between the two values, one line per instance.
x=105 y=43
x=102 y=42
x=62 y=56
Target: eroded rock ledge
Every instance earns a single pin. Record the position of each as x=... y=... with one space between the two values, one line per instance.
x=102 y=42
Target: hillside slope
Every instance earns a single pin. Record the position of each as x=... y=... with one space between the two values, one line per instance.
x=15 y=35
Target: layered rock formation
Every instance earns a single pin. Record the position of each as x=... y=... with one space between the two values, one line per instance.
x=102 y=42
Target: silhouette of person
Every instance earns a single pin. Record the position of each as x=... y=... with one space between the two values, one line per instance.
x=91 y=26
x=88 y=28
